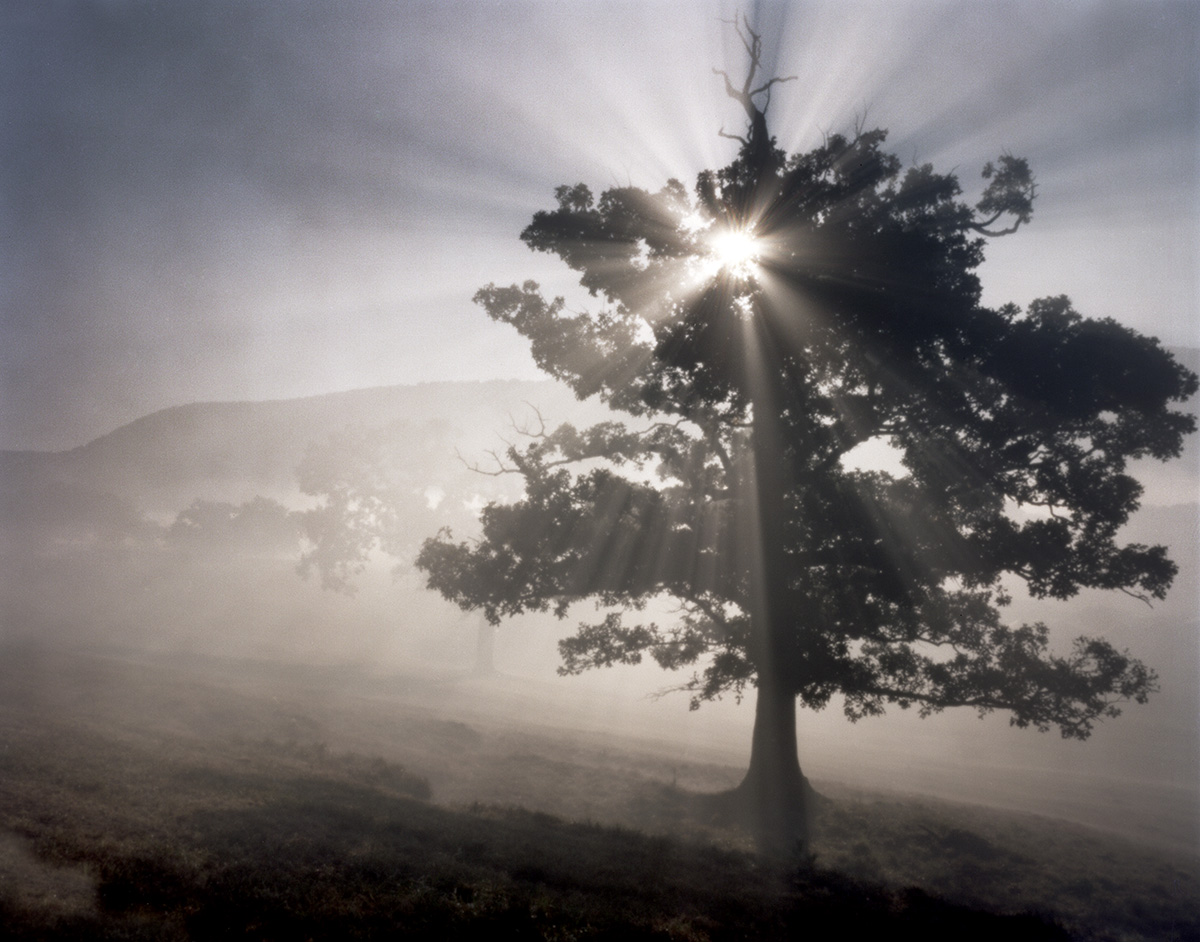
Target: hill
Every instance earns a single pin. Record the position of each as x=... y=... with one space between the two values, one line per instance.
x=235 y=450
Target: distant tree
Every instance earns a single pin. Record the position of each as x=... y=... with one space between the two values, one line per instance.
x=366 y=497
x=258 y=526
x=765 y=329
x=379 y=491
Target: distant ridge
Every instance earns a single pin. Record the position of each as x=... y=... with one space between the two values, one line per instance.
x=332 y=402
x=234 y=450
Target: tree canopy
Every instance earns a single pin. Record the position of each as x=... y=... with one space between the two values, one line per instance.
x=261 y=525
x=760 y=331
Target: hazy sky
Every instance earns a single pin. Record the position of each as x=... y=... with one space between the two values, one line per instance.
x=243 y=200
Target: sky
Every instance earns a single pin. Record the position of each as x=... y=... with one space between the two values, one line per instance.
x=221 y=200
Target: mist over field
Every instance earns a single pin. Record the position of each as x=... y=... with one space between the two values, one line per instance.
x=100 y=552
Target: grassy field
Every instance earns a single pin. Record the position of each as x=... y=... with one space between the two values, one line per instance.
x=152 y=798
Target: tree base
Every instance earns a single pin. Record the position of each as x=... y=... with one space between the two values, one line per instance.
x=783 y=832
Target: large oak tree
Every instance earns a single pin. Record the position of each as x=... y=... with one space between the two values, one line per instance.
x=763 y=330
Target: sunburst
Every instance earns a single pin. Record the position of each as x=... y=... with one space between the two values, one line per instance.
x=735 y=252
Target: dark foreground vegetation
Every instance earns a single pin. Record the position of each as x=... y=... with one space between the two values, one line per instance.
x=152 y=800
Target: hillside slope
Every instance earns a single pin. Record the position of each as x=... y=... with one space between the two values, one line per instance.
x=234 y=450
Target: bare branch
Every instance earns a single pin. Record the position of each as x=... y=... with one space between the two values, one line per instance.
x=767 y=86
x=758 y=137
x=752 y=46
x=476 y=468
x=994 y=233
x=775 y=81
x=1137 y=595
x=729 y=89
x=524 y=429
x=732 y=137
x=689 y=687
x=860 y=122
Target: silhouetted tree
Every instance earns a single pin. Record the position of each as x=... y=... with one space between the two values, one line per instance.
x=764 y=327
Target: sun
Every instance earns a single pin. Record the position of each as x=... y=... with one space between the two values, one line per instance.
x=735 y=251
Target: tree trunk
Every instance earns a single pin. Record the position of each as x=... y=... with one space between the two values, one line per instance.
x=773 y=798
x=774 y=795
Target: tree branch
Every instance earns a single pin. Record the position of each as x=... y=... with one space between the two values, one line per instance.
x=767 y=88
x=752 y=42
x=501 y=467
x=732 y=137
x=524 y=430
x=1137 y=595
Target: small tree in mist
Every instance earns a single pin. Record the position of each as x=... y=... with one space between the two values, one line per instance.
x=766 y=328
x=379 y=491
x=260 y=526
